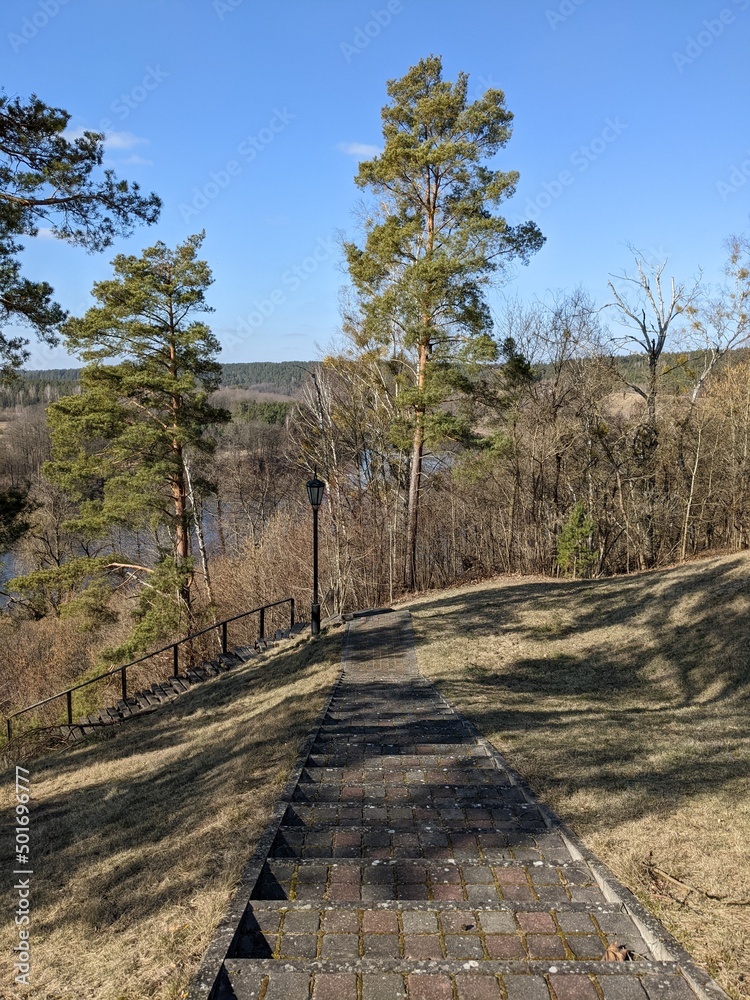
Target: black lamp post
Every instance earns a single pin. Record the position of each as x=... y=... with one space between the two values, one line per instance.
x=315 y=489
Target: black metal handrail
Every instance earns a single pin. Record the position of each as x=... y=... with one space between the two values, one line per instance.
x=174 y=646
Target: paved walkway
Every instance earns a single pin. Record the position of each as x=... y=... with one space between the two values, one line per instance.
x=410 y=863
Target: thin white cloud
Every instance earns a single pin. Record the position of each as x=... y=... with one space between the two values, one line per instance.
x=113 y=140
x=138 y=161
x=123 y=140
x=358 y=149
x=45 y=233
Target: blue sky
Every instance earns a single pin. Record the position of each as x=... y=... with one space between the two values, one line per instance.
x=249 y=118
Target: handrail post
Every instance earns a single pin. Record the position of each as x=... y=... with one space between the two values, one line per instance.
x=174 y=646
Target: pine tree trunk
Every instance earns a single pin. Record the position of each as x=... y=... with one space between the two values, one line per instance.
x=415 y=477
x=412 y=517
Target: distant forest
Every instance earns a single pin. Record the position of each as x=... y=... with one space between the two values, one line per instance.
x=49 y=385
x=287 y=378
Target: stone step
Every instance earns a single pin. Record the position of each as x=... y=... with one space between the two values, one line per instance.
x=384 y=843
x=383 y=979
x=449 y=930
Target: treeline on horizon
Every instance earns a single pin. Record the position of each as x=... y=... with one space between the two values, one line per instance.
x=287 y=378
x=50 y=384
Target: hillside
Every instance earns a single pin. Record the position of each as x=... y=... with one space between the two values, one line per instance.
x=138 y=838
x=625 y=703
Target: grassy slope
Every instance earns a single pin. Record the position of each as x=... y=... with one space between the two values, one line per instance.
x=626 y=705
x=139 y=838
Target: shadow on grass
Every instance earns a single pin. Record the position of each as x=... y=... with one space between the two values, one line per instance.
x=638 y=684
x=135 y=822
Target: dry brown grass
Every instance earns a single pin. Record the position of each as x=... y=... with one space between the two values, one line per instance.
x=139 y=839
x=626 y=705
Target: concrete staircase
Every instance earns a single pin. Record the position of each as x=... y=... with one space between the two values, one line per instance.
x=409 y=862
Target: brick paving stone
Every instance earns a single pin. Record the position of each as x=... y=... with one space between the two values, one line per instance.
x=536 y=923
x=381 y=946
x=339 y=946
x=475 y=987
x=463 y=946
x=498 y=922
x=504 y=947
x=525 y=988
x=288 y=986
x=268 y=921
x=551 y=894
x=446 y=892
x=383 y=987
x=457 y=921
x=422 y=947
x=585 y=945
x=481 y=893
x=340 y=922
x=621 y=988
x=510 y=876
x=667 y=988
x=344 y=892
x=575 y=922
x=429 y=987
x=299 y=922
x=379 y=922
x=298 y=946
x=573 y=987
x=581 y=894
x=373 y=893
x=414 y=891
x=419 y=922
x=545 y=946
x=335 y=986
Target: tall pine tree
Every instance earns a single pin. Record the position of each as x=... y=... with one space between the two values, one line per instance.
x=48 y=178
x=434 y=242
x=120 y=446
